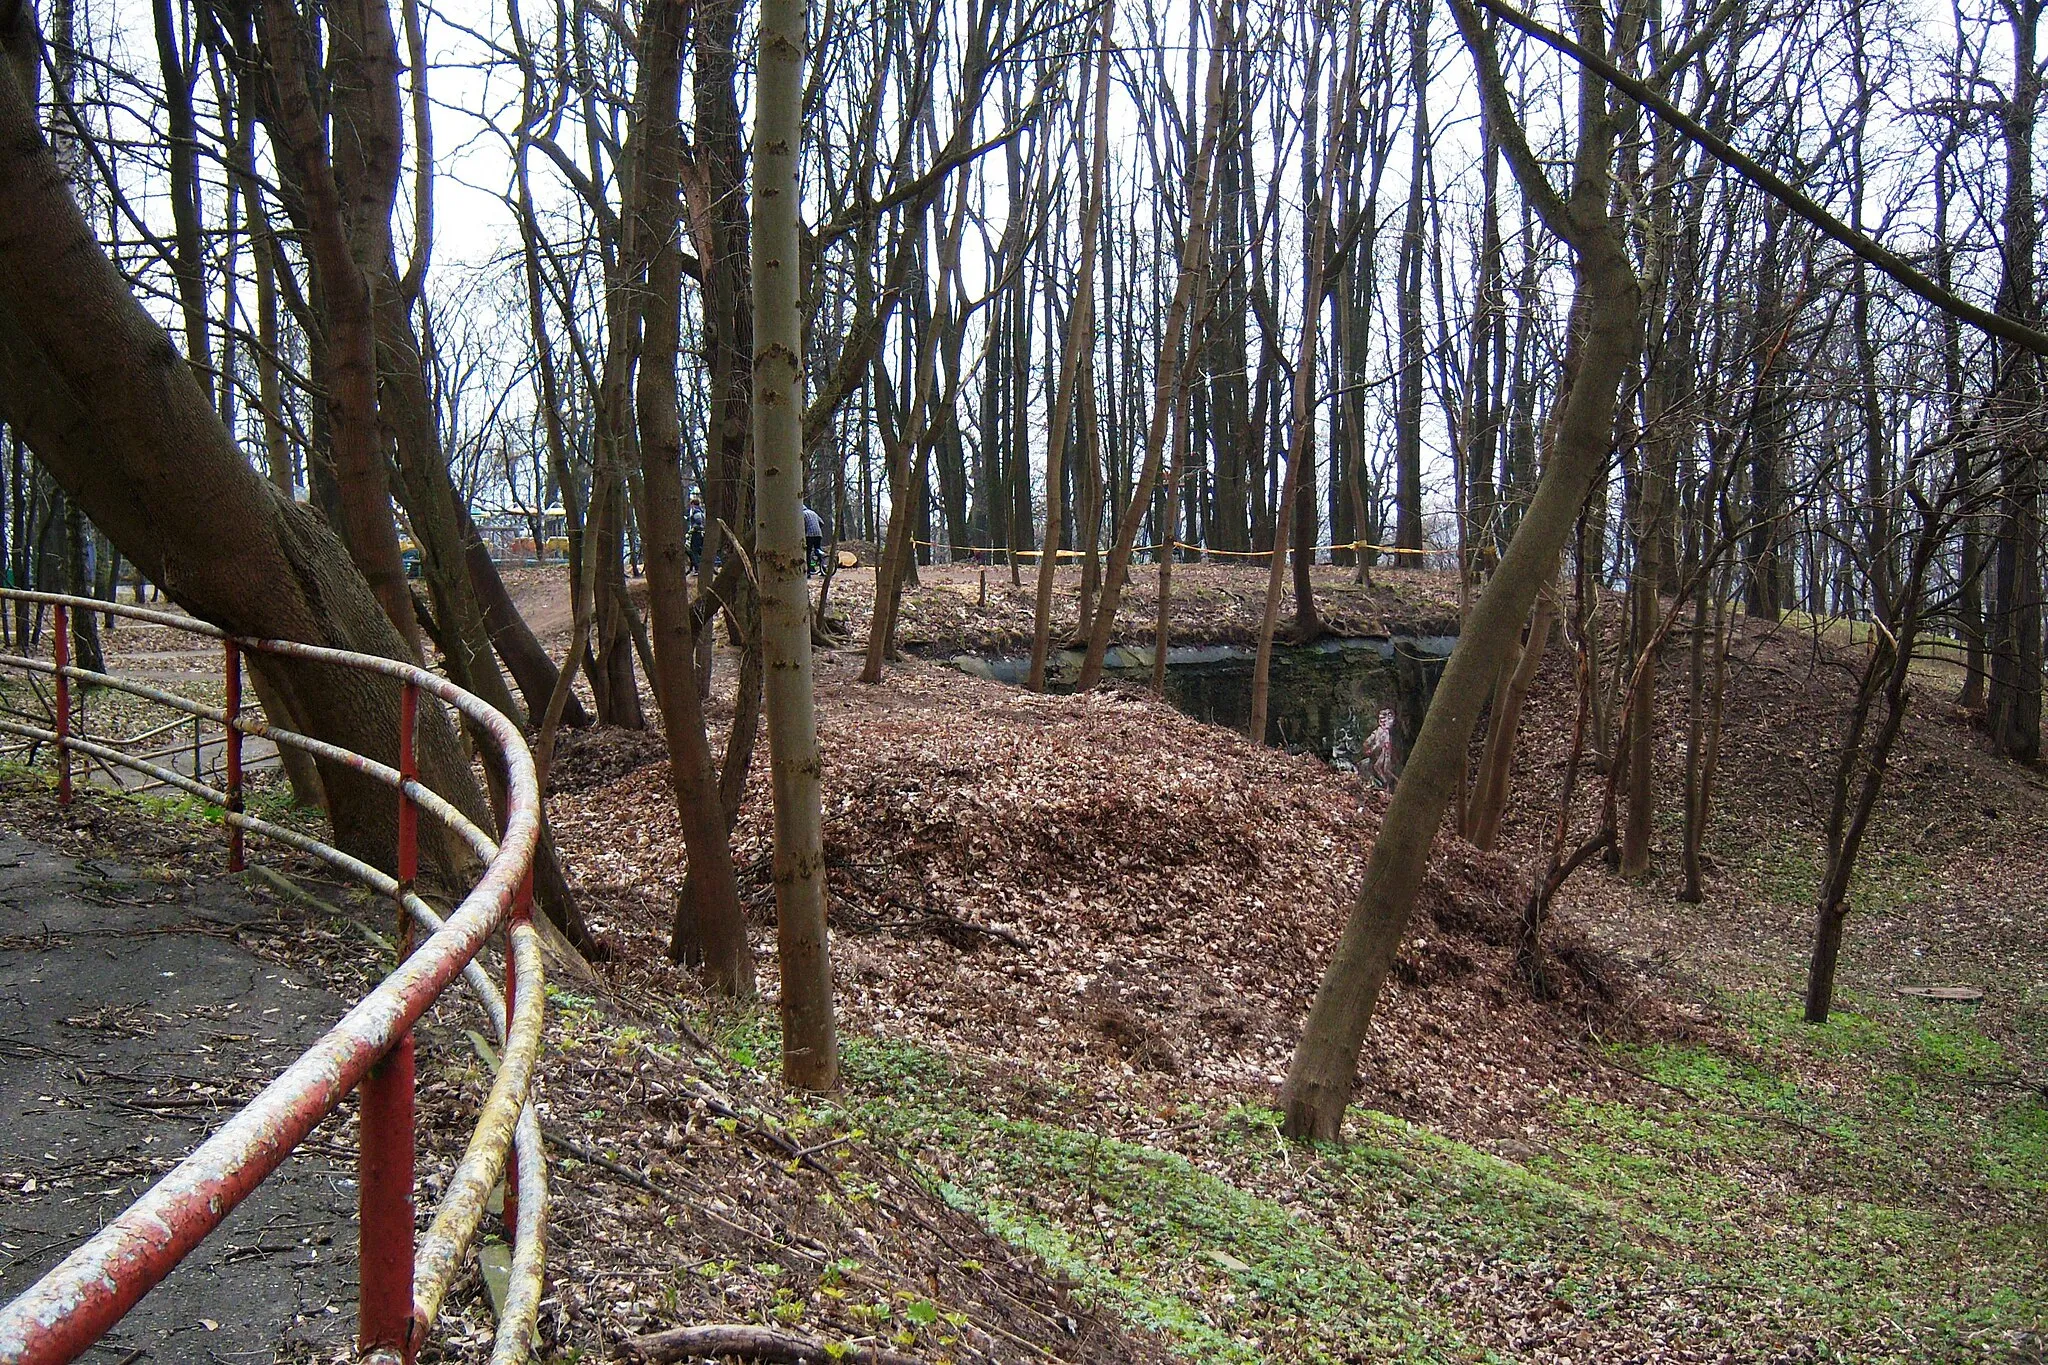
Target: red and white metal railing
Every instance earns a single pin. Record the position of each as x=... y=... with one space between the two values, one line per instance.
x=403 y=1285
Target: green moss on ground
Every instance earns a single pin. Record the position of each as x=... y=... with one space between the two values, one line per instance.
x=1829 y=1192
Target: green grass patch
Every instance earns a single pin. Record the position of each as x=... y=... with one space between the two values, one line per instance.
x=1886 y=877
x=1224 y=1273
x=2014 y=1152
x=1823 y=1172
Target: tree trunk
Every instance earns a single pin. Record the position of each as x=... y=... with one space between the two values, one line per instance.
x=2015 y=634
x=1497 y=765
x=1166 y=378
x=1080 y=334
x=1603 y=345
x=717 y=921
x=345 y=185
x=1300 y=443
x=612 y=679
x=85 y=634
x=1860 y=766
x=1702 y=730
x=182 y=143
x=430 y=500
x=810 y=1048
x=100 y=395
x=1408 y=424
x=1637 y=828
x=277 y=453
x=910 y=449
x=532 y=670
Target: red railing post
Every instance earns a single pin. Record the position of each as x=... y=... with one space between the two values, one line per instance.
x=384 y=1236
x=60 y=651
x=233 y=741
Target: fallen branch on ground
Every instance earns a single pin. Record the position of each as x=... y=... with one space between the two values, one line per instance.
x=753 y=1343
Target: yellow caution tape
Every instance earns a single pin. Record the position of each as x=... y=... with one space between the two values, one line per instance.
x=1356 y=545
x=1352 y=545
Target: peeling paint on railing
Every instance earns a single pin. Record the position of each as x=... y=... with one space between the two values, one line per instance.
x=61 y=1316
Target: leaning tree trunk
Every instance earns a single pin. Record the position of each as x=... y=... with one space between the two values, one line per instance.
x=533 y=672
x=1496 y=768
x=1602 y=346
x=101 y=396
x=431 y=504
x=439 y=521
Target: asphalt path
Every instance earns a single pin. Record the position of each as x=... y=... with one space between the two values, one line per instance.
x=134 y=1019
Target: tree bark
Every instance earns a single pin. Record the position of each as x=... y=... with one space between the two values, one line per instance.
x=345 y=184
x=810 y=1048
x=1496 y=767
x=1080 y=334
x=95 y=387
x=1166 y=378
x=1300 y=445
x=532 y=670
x=1408 y=424
x=2015 y=635
x=718 y=922
x=182 y=143
x=1603 y=343
x=1860 y=765
x=432 y=506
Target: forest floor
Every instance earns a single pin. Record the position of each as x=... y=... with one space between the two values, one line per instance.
x=1074 y=937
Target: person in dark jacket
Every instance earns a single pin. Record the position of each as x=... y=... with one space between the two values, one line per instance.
x=814 y=542
x=696 y=533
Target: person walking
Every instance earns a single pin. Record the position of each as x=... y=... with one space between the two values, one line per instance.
x=696 y=533
x=814 y=542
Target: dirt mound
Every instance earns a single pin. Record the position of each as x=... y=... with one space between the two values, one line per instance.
x=1032 y=878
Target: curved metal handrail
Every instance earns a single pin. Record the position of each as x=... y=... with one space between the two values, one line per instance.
x=403 y=1287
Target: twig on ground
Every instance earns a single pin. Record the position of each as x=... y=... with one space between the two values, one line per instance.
x=754 y=1343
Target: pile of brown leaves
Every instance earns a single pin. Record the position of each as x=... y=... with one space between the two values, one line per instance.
x=1037 y=879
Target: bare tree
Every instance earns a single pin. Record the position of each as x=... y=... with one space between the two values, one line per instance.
x=1166 y=377
x=1603 y=338
x=1079 y=337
